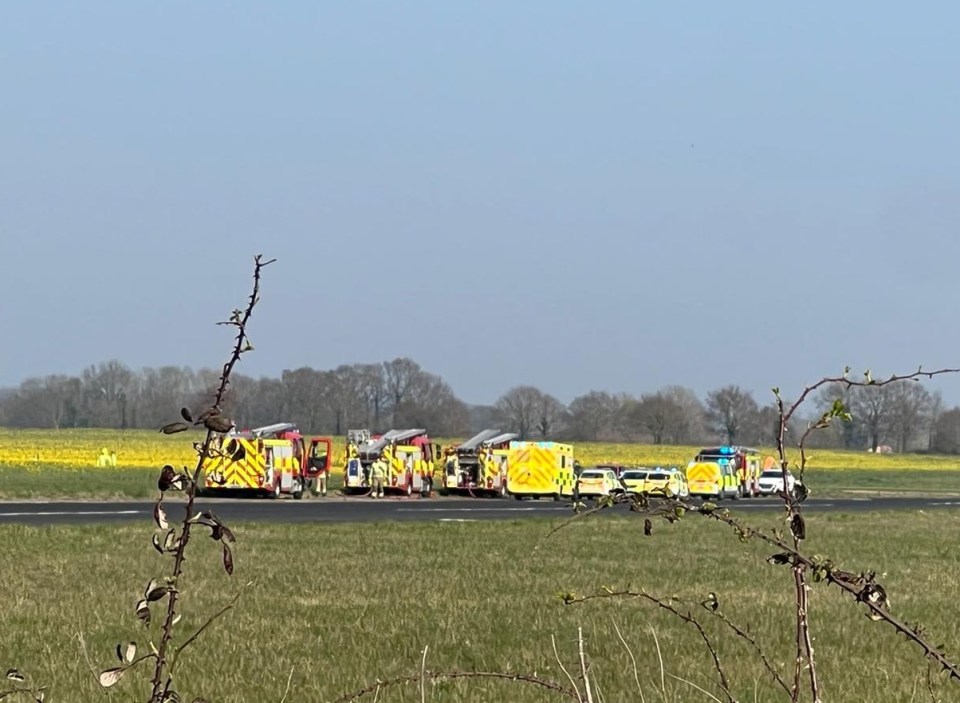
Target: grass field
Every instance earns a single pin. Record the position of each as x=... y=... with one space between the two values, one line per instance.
x=341 y=605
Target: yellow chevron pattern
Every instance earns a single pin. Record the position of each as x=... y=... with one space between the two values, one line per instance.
x=241 y=473
x=540 y=468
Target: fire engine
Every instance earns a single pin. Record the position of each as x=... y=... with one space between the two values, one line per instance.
x=536 y=469
x=409 y=455
x=273 y=459
x=479 y=465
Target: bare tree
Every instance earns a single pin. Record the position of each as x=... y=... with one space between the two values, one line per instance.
x=658 y=414
x=688 y=426
x=946 y=432
x=595 y=416
x=527 y=409
x=910 y=406
x=731 y=409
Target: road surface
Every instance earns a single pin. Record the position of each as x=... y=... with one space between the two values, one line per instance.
x=393 y=509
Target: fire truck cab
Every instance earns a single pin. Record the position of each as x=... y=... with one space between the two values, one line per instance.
x=479 y=465
x=272 y=460
x=408 y=454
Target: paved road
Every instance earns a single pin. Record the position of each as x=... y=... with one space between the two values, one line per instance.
x=391 y=509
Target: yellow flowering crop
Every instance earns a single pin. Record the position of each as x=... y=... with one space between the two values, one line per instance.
x=80 y=449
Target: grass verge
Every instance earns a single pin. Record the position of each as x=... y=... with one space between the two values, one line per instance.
x=340 y=605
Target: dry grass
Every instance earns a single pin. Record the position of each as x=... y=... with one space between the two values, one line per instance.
x=343 y=604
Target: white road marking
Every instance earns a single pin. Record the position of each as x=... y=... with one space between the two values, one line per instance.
x=57 y=513
x=477 y=510
x=455 y=519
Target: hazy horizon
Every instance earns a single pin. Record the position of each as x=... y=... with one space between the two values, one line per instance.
x=567 y=196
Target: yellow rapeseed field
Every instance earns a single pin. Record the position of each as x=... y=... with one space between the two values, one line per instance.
x=144 y=448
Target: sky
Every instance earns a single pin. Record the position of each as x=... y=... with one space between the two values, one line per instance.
x=577 y=196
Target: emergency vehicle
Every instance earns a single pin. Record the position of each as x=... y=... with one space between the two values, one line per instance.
x=537 y=469
x=408 y=454
x=273 y=459
x=722 y=472
x=479 y=465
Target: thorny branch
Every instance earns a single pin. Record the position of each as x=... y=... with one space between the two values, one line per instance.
x=792 y=500
x=378 y=686
x=665 y=604
x=161 y=677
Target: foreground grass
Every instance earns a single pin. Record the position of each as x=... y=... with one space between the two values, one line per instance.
x=57 y=482
x=340 y=605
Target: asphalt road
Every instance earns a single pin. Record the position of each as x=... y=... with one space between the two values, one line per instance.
x=391 y=509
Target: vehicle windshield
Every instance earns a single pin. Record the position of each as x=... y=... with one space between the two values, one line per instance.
x=592 y=474
x=628 y=475
x=773 y=473
x=658 y=476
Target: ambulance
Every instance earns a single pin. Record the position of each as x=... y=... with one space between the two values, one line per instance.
x=540 y=469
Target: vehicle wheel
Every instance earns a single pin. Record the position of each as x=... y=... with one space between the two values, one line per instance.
x=298 y=490
x=518 y=497
x=275 y=491
x=556 y=497
x=409 y=489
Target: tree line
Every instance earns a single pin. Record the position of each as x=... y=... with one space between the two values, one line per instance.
x=399 y=393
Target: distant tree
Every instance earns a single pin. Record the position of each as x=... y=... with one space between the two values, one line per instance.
x=909 y=413
x=658 y=414
x=527 y=409
x=946 y=432
x=594 y=416
x=688 y=426
x=731 y=409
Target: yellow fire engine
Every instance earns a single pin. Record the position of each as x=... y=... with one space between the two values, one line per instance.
x=536 y=469
x=408 y=454
x=479 y=465
x=271 y=459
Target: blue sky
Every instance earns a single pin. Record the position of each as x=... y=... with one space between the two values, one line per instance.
x=573 y=196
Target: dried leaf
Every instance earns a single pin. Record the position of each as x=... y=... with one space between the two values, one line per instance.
x=218 y=423
x=170 y=542
x=798 y=527
x=206 y=414
x=160 y=516
x=143 y=612
x=647 y=527
x=167 y=475
x=227 y=559
x=174 y=427
x=176 y=619
x=157 y=593
x=15 y=675
x=186 y=415
x=130 y=652
x=109 y=677
x=156 y=543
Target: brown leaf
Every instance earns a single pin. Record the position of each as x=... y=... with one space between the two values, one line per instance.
x=798 y=527
x=15 y=675
x=143 y=612
x=227 y=559
x=174 y=427
x=647 y=527
x=109 y=677
x=167 y=475
x=218 y=423
x=186 y=415
x=155 y=594
x=170 y=542
x=160 y=516
x=126 y=652
x=206 y=414
x=156 y=543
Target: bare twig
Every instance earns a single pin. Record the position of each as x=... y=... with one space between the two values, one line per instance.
x=693 y=685
x=553 y=641
x=286 y=689
x=161 y=676
x=583 y=666
x=666 y=605
x=633 y=660
x=557 y=688
x=423 y=675
x=749 y=639
x=663 y=680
